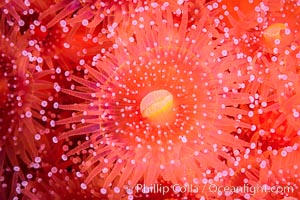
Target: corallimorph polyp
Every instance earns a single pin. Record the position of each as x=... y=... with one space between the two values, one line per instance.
x=162 y=105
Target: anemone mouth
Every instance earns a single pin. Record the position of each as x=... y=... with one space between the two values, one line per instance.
x=276 y=35
x=157 y=106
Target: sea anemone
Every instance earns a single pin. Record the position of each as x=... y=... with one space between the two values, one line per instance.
x=271 y=174
x=22 y=117
x=268 y=41
x=259 y=28
x=62 y=45
x=162 y=105
x=281 y=172
x=22 y=106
